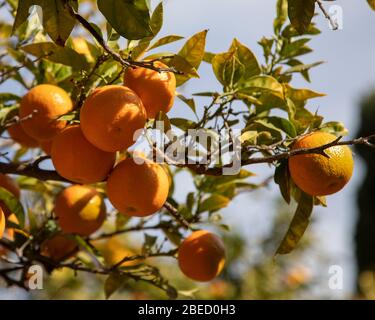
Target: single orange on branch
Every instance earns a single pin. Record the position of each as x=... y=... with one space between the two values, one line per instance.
x=320 y=175
x=58 y=248
x=201 y=256
x=40 y=109
x=80 y=210
x=156 y=89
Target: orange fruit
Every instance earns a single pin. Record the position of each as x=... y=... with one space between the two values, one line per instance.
x=2 y=222
x=156 y=89
x=316 y=174
x=19 y=135
x=46 y=146
x=58 y=248
x=44 y=104
x=201 y=256
x=78 y=160
x=110 y=116
x=80 y=210
x=10 y=185
x=137 y=189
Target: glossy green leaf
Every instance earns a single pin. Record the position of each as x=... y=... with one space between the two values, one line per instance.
x=298 y=225
x=130 y=18
x=13 y=204
x=57 y=21
x=247 y=59
x=156 y=21
x=227 y=68
x=165 y=40
x=193 y=52
x=214 y=203
x=301 y=13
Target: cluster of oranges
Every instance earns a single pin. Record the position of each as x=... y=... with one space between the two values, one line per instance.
x=86 y=153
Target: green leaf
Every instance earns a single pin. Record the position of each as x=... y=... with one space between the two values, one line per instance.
x=371 y=3
x=301 y=94
x=114 y=282
x=282 y=178
x=227 y=68
x=281 y=15
x=181 y=64
x=214 y=203
x=23 y=12
x=298 y=225
x=165 y=40
x=193 y=52
x=189 y=101
x=156 y=21
x=247 y=59
x=301 y=13
x=280 y=124
x=183 y=124
x=266 y=84
x=13 y=204
x=302 y=67
x=57 y=21
x=334 y=127
x=6 y=97
x=130 y=18
x=54 y=53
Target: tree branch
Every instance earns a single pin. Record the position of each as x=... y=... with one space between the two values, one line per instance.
x=116 y=56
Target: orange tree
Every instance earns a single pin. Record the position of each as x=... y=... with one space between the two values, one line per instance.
x=86 y=101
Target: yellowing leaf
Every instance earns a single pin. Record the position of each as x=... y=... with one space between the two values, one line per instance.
x=301 y=94
x=214 y=203
x=266 y=84
x=298 y=225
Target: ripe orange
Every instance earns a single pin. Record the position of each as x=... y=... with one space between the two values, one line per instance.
x=19 y=135
x=138 y=189
x=44 y=104
x=201 y=256
x=156 y=90
x=2 y=222
x=58 y=248
x=10 y=185
x=78 y=160
x=110 y=116
x=316 y=174
x=80 y=210
x=46 y=146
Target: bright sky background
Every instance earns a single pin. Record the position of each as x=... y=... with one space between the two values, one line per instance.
x=347 y=75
